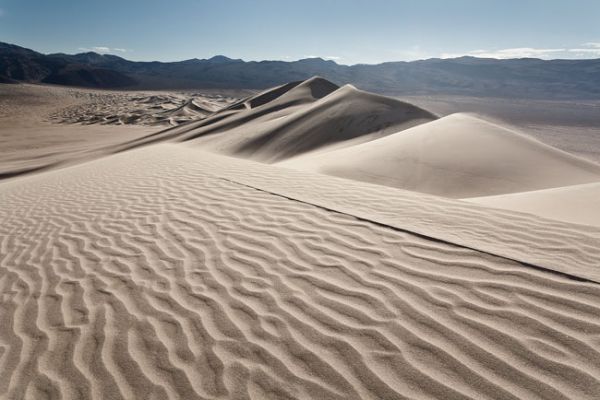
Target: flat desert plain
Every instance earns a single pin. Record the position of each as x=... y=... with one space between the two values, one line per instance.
x=306 y=242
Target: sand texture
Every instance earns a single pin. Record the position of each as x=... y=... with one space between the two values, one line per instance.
x=92 y=122
x=456 y=156
x=578 y=203
x=305 y=242
x=154 y=109
x=344 y=132
x=148 y=275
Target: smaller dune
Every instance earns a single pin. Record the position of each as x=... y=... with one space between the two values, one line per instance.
x=456 y=156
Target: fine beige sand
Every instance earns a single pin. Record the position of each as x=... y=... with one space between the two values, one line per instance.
x=30 y=141
x=151 y=274
x=578 y=203
x=456 y=156
x=93 y=120
x=221 y=259
x=309 y=116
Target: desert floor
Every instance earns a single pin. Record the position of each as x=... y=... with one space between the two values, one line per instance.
x=306 y=242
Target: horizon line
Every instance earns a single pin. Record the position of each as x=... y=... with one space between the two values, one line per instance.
x=322 y=58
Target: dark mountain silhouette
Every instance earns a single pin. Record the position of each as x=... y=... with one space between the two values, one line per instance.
x=520 y=78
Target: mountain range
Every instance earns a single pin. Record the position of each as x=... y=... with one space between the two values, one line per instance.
x=469 y=76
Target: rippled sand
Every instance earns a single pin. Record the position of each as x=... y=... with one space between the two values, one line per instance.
x=172 y=271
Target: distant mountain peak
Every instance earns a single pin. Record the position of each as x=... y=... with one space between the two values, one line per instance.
x=222 y=59
x=317 y=61
x=90 y=56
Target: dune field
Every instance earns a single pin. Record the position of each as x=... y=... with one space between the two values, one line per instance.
x=33 y=139
x=305 y=242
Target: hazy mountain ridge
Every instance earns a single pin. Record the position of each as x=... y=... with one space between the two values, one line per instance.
x=527 y=77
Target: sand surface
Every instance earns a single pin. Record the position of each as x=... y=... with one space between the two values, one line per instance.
x=456 y=156
x=572 y=126
x=216 y=259
x=138 y=280
x=33 y=140
x=577 y=203
x=317 y=126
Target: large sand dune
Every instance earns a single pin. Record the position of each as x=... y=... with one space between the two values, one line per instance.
x=309 y=116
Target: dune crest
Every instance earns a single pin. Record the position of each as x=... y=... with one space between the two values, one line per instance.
x=312 y=115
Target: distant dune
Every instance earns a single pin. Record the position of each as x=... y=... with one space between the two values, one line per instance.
x=44 y=126
x=142 y=108
x=455 y=156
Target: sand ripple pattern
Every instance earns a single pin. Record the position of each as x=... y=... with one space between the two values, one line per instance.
x=142 y=276
x=139 y=108
x=562 y=247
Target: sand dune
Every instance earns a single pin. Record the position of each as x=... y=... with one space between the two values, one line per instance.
x=317 y=126
x=139 y=281
x=455 y=156
x=250 y=111
x=164 y=269
x=312 y=115
x=579 y=203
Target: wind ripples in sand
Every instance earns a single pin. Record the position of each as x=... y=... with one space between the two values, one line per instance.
x=132 y=277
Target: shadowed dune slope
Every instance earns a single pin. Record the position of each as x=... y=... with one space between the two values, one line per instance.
x=156 y=274
x=293 y=119
x=289 y=94
x=455 y=156
x=578 y=203
x=294 y=93
x=346 y=116
x=265 y=106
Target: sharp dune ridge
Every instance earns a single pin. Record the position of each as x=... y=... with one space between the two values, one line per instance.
x=294 y=119
x=308 y=241
x=315 y=125
x=345 y=116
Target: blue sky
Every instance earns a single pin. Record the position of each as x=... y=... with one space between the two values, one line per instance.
x=346 y=31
